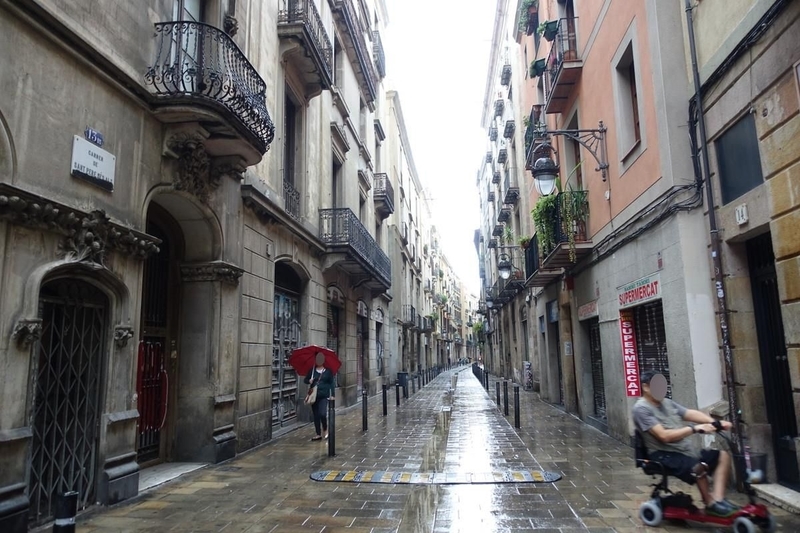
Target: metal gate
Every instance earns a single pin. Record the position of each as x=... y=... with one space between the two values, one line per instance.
x=152 y=383
x=651 y=340
x=774 y=361
x=596 y=359
x=68 y=373
x=285 y=338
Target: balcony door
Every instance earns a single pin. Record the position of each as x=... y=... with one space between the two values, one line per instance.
x=569 y=41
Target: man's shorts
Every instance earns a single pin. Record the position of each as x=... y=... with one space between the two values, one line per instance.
x=681 y=466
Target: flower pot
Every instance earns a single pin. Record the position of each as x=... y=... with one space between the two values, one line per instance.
x=550 y=30
x=537 y=68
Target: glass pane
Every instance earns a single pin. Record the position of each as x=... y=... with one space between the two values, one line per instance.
x=739 y=160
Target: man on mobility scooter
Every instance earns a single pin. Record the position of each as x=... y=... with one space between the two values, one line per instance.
x=664 y=447
x=667 y=437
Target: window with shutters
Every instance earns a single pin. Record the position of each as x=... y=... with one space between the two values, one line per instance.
x=651 y=340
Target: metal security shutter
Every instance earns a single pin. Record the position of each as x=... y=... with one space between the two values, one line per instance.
x=651 y=340
x=596 y=357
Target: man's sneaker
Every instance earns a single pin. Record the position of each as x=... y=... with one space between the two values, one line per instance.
x=721 y=509
x=731 y=505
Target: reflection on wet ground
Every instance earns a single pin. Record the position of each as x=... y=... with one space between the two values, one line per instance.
x=269 y=490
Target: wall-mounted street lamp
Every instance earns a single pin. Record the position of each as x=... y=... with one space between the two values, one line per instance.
x=545 y=169
x=504 y=266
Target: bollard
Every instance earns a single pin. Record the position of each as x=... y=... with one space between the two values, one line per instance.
x=516 y=406
x=486 y=377
x=413 y=385
x=331 y=427
x=397 y=392
x=497 y=387
x=419 y=381
x=505 y=397
x=385 y=407
x=65 y=510
x=364 y=396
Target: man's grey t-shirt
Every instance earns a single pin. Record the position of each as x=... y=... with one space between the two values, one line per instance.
x=670 y=415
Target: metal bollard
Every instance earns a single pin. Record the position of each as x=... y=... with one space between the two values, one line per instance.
x=413 y=385
x=486 y=377
x=364 y=396
x=497 y=388
x=385 y=407
x=505 y=397
x=397 y=392
x=516 y=406
x=65 y=510
x=331 y=427
x=419 y=381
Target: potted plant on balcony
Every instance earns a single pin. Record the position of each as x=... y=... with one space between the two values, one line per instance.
x=548 y=29
x=524 y=242
x=545 y=216
x=537 y=68
x=574 y=214
x=527 y=10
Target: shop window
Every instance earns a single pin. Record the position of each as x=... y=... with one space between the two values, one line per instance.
x=651 y=340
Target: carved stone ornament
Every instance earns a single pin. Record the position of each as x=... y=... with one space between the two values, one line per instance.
x=122 y=334
x=87 y=236
x=198 y=173
x=27 y=331
x=230 y=25
x=213 y=271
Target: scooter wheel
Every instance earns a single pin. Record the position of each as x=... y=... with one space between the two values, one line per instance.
x=771 y=525
x=650 y=513
x=744 y=525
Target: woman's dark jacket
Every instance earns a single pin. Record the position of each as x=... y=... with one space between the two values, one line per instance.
x=326 y=383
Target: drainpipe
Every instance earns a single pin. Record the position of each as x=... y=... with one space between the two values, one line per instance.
x=716 y=256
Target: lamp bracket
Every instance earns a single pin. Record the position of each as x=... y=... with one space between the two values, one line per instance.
x=593 y=140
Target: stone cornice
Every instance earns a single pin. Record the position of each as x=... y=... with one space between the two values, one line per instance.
x=87 y=236
x=212 y=271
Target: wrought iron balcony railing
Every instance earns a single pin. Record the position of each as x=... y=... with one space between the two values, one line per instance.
x=342 y=231
x=532 y=262
x=499 y=107
x=409 y=315
x=383 y=195
x=502 y=155
x=505 y=75
x=533 y=134
x=498 y=230
x=504 y=215
x=378 y=54
x=489 y=157
x=508 y=131
x=291 y=200
x=492 y=133
x=510 y=187
x=492 y=243
x=560 y=81
x=496 y=176
x=198 y=63
x=490 y=196
x=345 y=13
x=299 y=19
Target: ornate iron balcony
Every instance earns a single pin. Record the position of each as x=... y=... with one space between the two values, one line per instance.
x=198 y=63
x=508 y=132
x=510 y=186
x=491 y=197
x=300 y=20
x=498 y=230
x=291 y=200
x=493 y=133
x=343 y=233
x=377 y=54
x=504 y=215
x=345 y=14
x=383 y=195
x=496 y=176
x=564 y=67
x=499 y=107
x=489 y=157
x=505 y=75
x=502 y=155
x=492 y=243
x=409 y=316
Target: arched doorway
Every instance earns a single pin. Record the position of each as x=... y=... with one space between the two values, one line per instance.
x=178 y=334
x=69 y=361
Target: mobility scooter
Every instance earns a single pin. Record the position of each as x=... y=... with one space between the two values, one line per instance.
x=667 y=505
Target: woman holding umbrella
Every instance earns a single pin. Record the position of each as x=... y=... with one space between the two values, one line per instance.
x=320 y=377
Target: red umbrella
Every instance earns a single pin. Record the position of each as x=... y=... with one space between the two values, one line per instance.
x=304 y=359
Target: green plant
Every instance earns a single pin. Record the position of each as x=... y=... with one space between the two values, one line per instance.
x=525 y=11
x=508 y=234
x=544 y=215
x=574 y=214
x=537 y=68
x=524 y=241
x=548 y=29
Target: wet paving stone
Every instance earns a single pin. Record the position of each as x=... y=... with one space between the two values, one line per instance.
x=268 y=490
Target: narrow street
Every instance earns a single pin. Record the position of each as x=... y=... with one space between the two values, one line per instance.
x=269 y=489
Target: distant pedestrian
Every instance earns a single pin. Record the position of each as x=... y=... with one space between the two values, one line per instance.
x=321 y=378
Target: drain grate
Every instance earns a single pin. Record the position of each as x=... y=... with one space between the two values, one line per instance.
x=437 y=478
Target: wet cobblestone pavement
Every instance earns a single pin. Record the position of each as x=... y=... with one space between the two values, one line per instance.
x=269 y=490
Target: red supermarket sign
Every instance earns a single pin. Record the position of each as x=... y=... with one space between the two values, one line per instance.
x=639 y=291
x=630 y=357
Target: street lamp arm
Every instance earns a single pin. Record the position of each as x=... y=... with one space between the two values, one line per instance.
x=593 y=140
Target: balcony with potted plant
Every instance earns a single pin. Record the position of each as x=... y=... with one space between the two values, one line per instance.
x=564 y=67
x=561 y=227
x=528 y=16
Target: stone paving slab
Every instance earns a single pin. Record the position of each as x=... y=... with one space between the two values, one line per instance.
x=269 y=489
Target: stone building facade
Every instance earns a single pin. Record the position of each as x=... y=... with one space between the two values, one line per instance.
x=187 y=193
